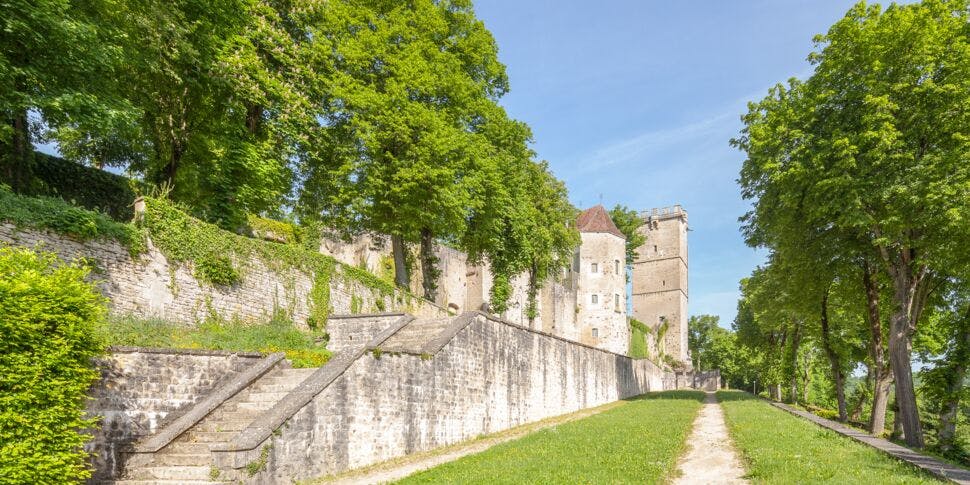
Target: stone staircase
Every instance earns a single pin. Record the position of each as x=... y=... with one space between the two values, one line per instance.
x=187 y=459
x=414 y=336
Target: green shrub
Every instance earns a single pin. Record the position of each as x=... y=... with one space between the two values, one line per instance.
x=87 y=187
x=59 y=216
x=217 y=270
x=47 y=319
x=270 y=229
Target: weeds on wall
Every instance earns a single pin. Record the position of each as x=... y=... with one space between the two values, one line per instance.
x=182 y=238
x=215 y=333
x=638 y=339
x=56 y=215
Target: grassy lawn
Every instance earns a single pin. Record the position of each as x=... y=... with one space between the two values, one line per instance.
x=780 y=448
x=637 y=442
x=277 y=335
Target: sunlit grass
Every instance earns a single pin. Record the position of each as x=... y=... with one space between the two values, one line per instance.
x=781 y=448
x=638 y=442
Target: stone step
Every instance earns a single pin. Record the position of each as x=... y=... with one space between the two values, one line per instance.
x=412 y=337
x=258 y=406
x=270 y=387
x=171 y=473
x=265 y=396
x=224 y=425
x=186 y=448
x=194 y=436
x=182 y=459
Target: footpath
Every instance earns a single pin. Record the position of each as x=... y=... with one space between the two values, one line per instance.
x=711 y=457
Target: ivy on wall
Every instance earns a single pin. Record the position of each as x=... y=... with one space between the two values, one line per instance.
x=54 y=214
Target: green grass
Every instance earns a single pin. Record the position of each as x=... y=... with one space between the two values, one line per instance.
x=279 y=335
x=781 y=448
x=638 y=442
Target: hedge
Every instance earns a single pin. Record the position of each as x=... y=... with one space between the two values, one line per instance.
x=87 y=187
x=49 y=313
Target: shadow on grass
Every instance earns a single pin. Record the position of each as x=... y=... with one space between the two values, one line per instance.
x=680 y=394
x=736 y=396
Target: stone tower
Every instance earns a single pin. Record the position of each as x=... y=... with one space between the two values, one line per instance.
x=601 y=282
x=660 y=279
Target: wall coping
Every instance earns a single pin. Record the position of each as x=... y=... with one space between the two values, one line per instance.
x=206 y=405
x=498 y=319
x=124 y=349
x=270 y=420
x=365 y=315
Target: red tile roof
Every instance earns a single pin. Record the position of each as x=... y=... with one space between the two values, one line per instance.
x=596 y=219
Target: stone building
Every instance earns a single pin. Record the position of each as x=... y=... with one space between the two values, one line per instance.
x=601 y=288
x=586 y=303
x=660 y=279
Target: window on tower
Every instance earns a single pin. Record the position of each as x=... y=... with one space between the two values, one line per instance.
x=616 y=266
x=594 y=299
x=594 y=268
x=596 y=333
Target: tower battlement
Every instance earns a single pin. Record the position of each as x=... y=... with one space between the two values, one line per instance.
x=664 y=213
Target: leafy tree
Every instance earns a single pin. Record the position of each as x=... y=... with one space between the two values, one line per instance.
x=50 y=51
x=873 y=144
x=412 y=87
x=628 y=221
x=699 y=330
x=49 y=315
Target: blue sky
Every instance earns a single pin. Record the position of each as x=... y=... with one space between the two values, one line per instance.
x=634 y=102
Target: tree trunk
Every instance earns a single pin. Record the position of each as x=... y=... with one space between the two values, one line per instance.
x=900 y=349
x=838 y=378
x=254 y=118
x=17 y=160
x=881 y=372
x=429 y=265
x=399 y=248
x=898 y=432
x=806 y=378
x=796 y=341
x=951 y=405
x=856 y=414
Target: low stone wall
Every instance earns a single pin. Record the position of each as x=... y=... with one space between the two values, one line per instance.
x=479 y=375
x=140 y=389
x=150 y=286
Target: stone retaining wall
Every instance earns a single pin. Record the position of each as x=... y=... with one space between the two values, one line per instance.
x=150 y=286
x=140 y=389
x=490 y=375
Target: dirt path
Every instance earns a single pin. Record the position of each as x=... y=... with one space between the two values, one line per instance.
x=711 y=457
x=397 y=469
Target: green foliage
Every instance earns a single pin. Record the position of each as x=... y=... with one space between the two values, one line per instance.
x=781 y=448
x=499 y=294
x=49 y=315
x=218 y=270
x=606 y=448
x=277 y=335
x=638 y=339
x=863 y=164
x=83 y=186
x=254 y=467
x=628 y=221
x=59 y=216
x=320 y=300
x=699 y=328
x=183 y=238
x=356 y=304
x=271 y=229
